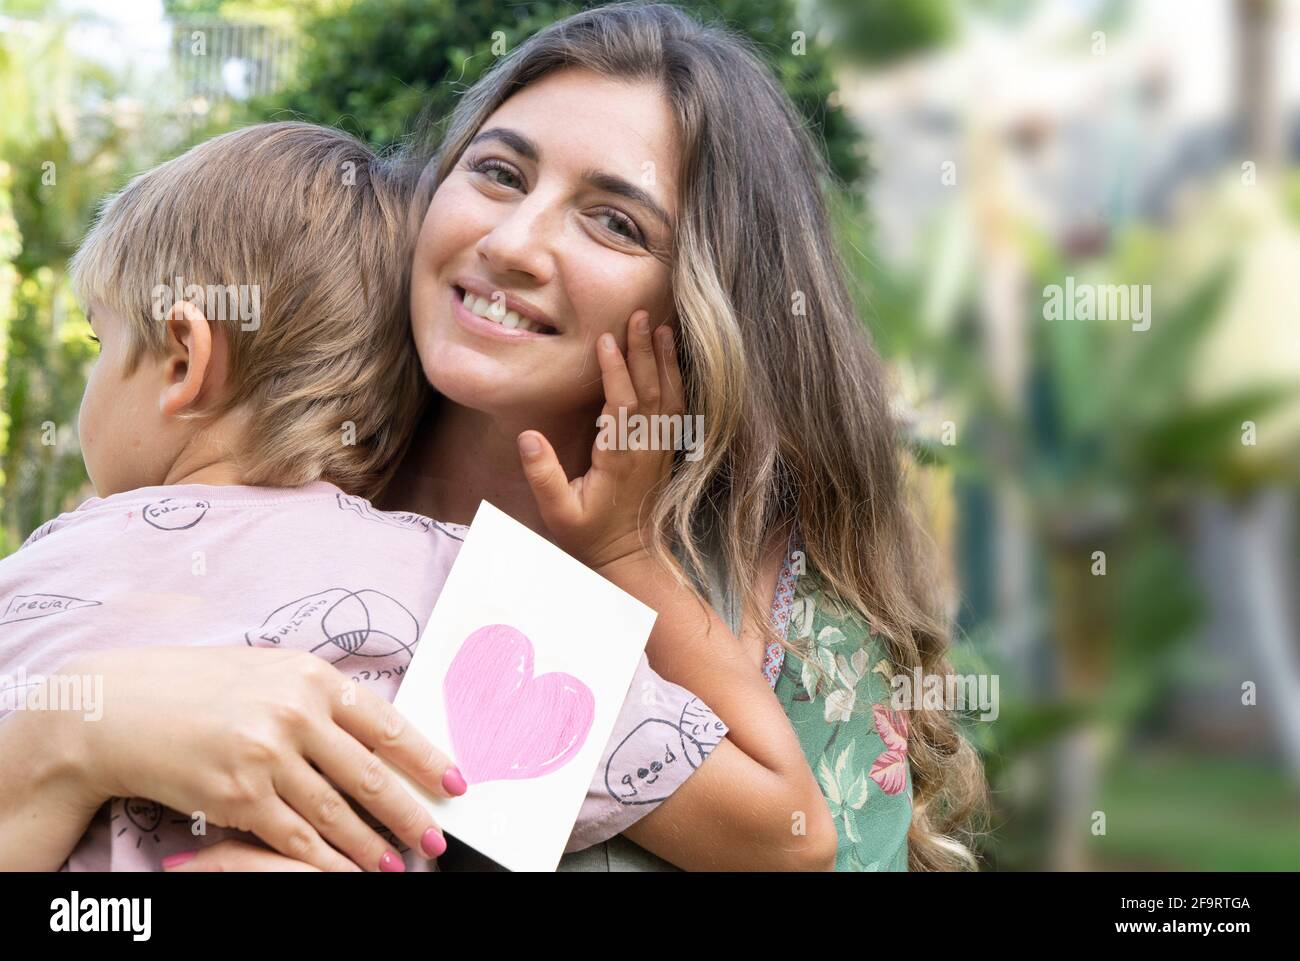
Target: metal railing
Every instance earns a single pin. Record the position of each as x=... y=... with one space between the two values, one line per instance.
x=218 y=60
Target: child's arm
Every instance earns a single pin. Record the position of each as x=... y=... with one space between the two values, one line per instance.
x=662 y=734
x=756 y=804
x=652 y=781
x=747 y=807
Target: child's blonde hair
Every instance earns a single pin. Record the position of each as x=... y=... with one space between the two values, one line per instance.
x=298 y=235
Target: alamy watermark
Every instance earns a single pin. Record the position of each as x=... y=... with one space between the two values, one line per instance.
x=75 y=914
x=53 y=692
x=242 y=302
x=652 y=432
x=1075 y=301
x=912 y=690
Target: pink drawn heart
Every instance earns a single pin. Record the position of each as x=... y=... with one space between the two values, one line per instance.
x=506 y=724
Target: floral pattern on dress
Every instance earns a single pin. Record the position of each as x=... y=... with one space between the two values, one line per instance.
x=890 y=767
x=837 y=702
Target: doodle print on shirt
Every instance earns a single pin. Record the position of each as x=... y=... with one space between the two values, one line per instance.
x=338 y=624
x=701 y=731
x=142 y=817
x=645 y=756
x=25 y=607
x=170 y=514
x=403 y=520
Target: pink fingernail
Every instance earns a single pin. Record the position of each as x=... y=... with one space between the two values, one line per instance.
x=176 y=860
x=433 y=843
x=453 y=782
x=391 y=863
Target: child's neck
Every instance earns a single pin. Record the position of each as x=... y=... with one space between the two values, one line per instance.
x=208 y=457
x=219 y=473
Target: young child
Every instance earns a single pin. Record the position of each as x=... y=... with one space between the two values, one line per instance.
x=256 y=383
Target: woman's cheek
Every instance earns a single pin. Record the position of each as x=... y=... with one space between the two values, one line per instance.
x=458 y=217
x=637 y=291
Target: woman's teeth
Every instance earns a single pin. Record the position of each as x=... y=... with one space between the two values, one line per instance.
x=495 y=311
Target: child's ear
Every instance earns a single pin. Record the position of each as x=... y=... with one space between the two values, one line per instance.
x=187 y=358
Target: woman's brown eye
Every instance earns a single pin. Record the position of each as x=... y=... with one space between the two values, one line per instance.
x=491 y=168
x=621 y=224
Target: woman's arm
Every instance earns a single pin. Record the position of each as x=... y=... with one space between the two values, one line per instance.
x=45 y=801
x=252 y=736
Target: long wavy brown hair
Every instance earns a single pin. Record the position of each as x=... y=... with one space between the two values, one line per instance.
x=798 y=429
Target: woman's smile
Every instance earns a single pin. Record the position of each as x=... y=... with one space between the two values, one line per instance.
x=495 y=316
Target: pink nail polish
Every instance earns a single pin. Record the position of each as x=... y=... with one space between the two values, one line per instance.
x=175 y=860
x=433 y=843
x=391 y=863
x=453 y=782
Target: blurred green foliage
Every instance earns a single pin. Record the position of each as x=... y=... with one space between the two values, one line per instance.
x=879 y=31
x=1240 y=811
x=1107 y=447
x=61 y=150
x=375 y=67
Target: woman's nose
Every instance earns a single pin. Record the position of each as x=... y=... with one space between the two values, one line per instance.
x=521 y=241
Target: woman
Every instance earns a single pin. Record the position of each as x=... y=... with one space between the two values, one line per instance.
x=718 y=227
x=629 y=158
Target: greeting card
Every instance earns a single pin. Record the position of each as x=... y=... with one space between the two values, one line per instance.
x=519 y=676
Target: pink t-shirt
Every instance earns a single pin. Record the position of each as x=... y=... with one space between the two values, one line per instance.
x=308 y=568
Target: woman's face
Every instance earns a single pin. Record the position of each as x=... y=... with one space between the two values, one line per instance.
x=555 y=223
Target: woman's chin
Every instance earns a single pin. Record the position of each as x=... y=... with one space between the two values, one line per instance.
x=512 y=383
x=481 y=383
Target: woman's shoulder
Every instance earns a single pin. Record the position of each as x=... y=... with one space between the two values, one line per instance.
x=834 y=684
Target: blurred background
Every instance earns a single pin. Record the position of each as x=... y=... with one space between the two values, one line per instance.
x=1116 y=506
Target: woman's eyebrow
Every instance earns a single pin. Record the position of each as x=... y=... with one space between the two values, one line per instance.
x=597 y=178
x=512 y=139
x=621 y=188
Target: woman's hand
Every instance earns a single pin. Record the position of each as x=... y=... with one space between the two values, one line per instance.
x=598 y=517
x=247 y=738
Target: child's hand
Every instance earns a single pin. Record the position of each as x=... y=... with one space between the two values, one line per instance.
x=598 y=517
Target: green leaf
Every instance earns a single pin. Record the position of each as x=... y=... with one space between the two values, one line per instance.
x=830 y=636
x=857 y=795
x=829 y=784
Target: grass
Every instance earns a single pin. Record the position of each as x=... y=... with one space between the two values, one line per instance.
x=1198 y=813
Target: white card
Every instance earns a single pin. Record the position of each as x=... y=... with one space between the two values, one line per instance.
x=526 y=739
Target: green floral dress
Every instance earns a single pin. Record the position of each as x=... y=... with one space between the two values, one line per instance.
x=835 y=692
